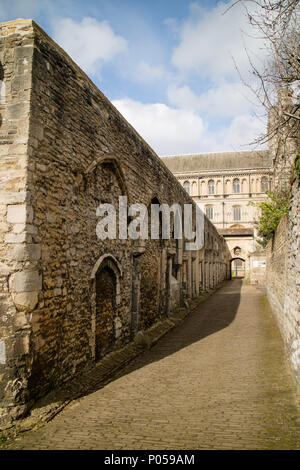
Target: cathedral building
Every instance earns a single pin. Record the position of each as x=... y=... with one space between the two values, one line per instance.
x=226 y=186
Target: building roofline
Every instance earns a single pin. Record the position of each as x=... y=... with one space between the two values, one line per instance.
x=229 y=170
x=212 y=153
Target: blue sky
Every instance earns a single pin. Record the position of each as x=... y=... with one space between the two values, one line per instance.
x=167 y=65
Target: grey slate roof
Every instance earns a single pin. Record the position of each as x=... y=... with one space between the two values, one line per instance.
x=218 y=161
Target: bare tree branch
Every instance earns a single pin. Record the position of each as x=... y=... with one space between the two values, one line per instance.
x=277 y=23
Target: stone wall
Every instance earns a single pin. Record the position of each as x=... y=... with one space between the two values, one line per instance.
x=283 y=280
x=257 y=263
x=284 y=138
x=68 y=297
x=276 y=254
x=283 y=252
x=292 y=300
x=19 y=275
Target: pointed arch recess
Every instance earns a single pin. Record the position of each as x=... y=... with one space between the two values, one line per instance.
x=117 y=168
x=114 y=265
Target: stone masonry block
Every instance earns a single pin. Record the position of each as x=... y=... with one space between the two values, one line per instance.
x=23 y=52
x=19 y=214
x=31 y=252
x=17 y=238
x=25 y=281
x=17 y=110
x=12 y=198
x=25 y=300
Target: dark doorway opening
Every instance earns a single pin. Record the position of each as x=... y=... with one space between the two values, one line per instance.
x=105 y=308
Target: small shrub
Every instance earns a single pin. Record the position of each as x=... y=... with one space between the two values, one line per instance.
x=271 y=212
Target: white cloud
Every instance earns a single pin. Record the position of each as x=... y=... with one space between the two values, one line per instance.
x=165 y=129
x=148 y=73
x=210 y=43
x=242 y=131
x=209 y=40
x=227 y=99
x=171 y=131
x=89 y=42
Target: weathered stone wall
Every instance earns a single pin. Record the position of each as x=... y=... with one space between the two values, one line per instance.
x=283 y=252
x=68 y=297
x=276 y=270
x=292 y=300
x=258 y=267
x=284 y=140
x=283 y=280
x=19 y=276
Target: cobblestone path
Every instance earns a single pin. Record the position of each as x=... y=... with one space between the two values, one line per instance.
x=219 y=381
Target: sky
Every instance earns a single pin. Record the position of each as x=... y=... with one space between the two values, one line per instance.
x=173 y=68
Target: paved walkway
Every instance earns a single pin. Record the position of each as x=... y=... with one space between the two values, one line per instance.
x=219 y=381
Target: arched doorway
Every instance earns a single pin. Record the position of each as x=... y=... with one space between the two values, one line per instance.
x=105 y=306
x=106 y=276
x=237 y=268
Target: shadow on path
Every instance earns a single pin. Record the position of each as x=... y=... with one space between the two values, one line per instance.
x=212 y=315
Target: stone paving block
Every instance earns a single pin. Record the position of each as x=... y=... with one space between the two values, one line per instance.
x=199 y=387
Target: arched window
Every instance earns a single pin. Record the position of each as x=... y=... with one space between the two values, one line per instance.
x=194 y=188
x=203 y=190
x=237 y=251
x=257 y=185
x=244 y=186
x=209 y=212
x=211 y=187
x=237 y=213
x=236 y=186
x=186 y=186
x=227 y=187
x=264 y=184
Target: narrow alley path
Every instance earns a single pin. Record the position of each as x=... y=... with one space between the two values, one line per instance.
x=219 y=381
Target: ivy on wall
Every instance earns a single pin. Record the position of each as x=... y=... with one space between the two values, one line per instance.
x=271 y=212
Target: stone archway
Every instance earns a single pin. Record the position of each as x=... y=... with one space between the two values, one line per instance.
x=237 y=268
x=106 y=285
